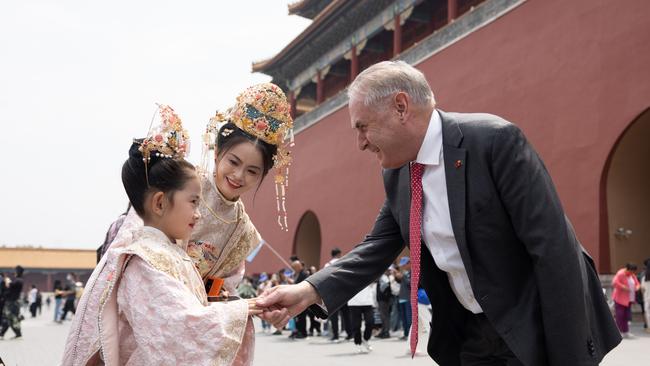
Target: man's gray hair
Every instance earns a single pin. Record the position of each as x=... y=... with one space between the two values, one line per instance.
x=386 y=78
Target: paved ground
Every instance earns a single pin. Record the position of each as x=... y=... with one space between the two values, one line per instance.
x=42 y=342
x=43 y=345
x=317 y=351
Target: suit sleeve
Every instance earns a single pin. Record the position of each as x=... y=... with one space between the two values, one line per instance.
x=340 y=281
x=528 y=193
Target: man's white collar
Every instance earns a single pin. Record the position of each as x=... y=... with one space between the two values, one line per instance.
x=429 y=153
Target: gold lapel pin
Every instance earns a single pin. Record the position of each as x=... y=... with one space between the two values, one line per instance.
x=458 y=164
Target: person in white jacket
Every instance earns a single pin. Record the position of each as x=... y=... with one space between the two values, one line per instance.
x=31 y=298
x=362 y=305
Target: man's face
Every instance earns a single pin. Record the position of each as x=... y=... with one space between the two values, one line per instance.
x=379 y=131
x=296 y=266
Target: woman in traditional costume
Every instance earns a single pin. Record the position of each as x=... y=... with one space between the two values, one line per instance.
x=250 y=139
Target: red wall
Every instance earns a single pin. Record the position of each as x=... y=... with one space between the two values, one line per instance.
x=571 y=74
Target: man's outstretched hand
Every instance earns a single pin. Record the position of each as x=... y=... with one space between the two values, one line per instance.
x=286 y=301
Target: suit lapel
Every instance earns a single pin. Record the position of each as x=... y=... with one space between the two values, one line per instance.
x=455 y=165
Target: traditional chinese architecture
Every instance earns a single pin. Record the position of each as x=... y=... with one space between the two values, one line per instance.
x=44 y=266
x=572 y=74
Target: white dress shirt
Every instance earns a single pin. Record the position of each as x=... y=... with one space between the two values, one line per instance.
x=365 y=297
x=437 y=231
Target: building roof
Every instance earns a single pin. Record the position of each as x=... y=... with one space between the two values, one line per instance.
x=333 y=24
x=308 y=8
x=48 y=258
x=321 y=18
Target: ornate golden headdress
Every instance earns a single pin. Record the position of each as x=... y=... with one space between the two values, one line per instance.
x=263 y=112
x=167 y=140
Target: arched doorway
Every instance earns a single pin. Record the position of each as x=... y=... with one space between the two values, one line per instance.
x=628 y=195
x=306 y=244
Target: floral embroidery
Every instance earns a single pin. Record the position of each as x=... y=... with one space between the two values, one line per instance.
x=246 y=243
x=217 y=246
x=237 y=326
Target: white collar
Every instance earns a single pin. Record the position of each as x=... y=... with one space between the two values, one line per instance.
x=157 y=233
x=429 y=153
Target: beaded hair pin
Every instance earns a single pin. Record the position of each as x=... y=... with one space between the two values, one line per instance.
x=167 y=140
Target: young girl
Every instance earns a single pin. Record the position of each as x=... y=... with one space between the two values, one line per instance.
x=145 y=303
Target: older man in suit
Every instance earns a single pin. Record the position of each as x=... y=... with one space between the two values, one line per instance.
x=508 y=280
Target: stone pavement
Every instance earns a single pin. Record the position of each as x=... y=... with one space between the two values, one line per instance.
x=317 y=351
x=44 y=340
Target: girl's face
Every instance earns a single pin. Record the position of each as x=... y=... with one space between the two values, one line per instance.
x=178 y=218
x=238 y=170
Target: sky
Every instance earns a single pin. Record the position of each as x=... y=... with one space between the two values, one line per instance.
x=80 y=79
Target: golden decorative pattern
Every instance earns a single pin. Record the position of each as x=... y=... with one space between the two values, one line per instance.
x=262 y=111
x=246 y=243
x=227 y=353
x=169 y=139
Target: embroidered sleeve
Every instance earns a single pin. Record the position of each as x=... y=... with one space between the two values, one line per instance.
x=170 y=325
x=248 y=241
x=203 y=255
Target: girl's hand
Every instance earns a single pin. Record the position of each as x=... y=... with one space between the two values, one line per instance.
x=253 y=309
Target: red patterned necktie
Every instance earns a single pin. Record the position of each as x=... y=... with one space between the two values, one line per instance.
x=414 y=240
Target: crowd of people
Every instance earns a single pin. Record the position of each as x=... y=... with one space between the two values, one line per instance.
x=66 y=296
x=381 y=310
x=383 y=307
x=16 y=300
x=384 y=310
